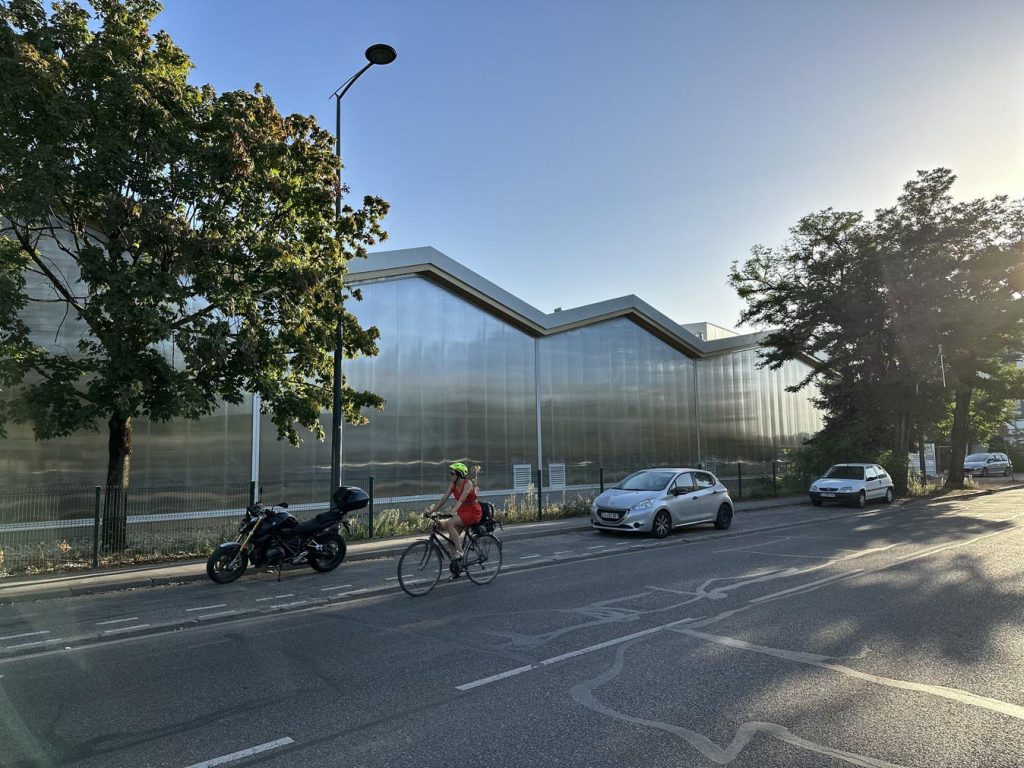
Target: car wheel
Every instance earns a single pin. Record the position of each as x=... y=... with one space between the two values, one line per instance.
x=1006 y=471
x=724 y=519
x=662 y=525
x=816 y=502
x=888 y=495
x=860 y=501
x=984 y=471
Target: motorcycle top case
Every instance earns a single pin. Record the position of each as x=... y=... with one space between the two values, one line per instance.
x=349 y=499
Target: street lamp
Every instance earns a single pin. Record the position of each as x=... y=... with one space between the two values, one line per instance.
x=376 y=54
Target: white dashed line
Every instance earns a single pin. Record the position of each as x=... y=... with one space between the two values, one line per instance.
x=289 y=605
x=116 y=621
x=597 y=546
x=243 y=753
x=207 y=607
x=391 y=578
x=37 y=642
x=214 y=615
x=343 y=586
x=25 y=634
x=125 y=629
x=528 y=557
x=282 y=597
x=564 y=552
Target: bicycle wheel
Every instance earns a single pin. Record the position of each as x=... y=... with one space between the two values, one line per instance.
x=482 y=560
x=419 y=568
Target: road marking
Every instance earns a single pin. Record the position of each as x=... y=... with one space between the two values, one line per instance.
x=343 y=586
x=569 y=655
x=243 y=753
x=125 y=629
x=783 y=554
x=391 y=578
x=25 y=634
x=809 y=586
x=116 y=621
x=597 y=546
x=564 y=552
x=289 y=605
x=282 y=597
x=207 y=607
x=37 y=642
x=528 y=557
x=214 y=615
x=494 y=678
x=261 y=599
x=814 y=660
x=622 y=544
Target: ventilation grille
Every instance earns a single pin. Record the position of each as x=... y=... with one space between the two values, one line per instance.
x=556 y=476
x=522 y=477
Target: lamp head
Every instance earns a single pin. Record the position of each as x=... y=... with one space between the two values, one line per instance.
x=379 y=53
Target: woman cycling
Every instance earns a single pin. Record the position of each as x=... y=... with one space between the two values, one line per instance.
x=467 y=511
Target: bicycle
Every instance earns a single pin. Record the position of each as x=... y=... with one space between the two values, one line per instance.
x=419 y=568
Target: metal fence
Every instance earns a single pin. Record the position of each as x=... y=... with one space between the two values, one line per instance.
x=78 y=528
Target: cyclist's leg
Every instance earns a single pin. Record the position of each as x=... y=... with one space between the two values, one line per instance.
x=455 y=528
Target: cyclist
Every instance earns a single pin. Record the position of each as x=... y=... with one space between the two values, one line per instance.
x=467 y=512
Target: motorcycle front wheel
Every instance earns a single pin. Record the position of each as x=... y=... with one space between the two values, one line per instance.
x=226 y=564
x=330 y=557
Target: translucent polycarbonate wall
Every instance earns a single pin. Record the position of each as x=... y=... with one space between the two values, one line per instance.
x=211 y=450
x=745 y=412
x=459 y=385
x=614 y=396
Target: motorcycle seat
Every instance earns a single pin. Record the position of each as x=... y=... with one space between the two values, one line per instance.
x=323 y=520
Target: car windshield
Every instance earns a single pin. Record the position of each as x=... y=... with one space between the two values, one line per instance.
x=845 y=472
x=645 y=481
x=977 y=457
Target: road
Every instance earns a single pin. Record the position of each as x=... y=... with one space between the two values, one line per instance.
x=802 y=637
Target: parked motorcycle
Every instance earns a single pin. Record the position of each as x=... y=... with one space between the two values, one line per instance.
x=271 y=537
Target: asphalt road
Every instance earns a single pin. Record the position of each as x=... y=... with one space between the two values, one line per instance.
x=830 y=637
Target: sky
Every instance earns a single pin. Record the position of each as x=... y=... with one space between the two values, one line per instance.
x=573 y=151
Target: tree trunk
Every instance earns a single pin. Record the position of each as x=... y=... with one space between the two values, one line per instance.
x=898 y=469
x=115 y=507
x=959 y=436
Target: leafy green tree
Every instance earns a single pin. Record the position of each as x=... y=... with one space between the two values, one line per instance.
x=190 y=235
x=875 y=300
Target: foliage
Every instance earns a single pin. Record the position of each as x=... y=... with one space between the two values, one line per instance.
x=190 y=235
x=873 y=301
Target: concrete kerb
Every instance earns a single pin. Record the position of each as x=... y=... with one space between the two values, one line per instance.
x=167 y=574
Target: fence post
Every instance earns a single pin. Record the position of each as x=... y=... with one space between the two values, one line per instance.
x=601 y=476
x=739 y=479
x=252 y=492
x=369 y=522
x=775 y=477
x=96 y=531
x=540 y=494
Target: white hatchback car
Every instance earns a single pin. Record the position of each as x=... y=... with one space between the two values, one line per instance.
x=854 y=484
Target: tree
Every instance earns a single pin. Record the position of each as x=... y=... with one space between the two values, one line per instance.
x=875 y=300
x=196 y=240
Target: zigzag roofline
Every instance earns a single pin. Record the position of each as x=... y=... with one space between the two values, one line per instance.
x=430 y=263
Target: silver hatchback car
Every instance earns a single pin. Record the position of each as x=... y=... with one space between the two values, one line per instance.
x=657 y=500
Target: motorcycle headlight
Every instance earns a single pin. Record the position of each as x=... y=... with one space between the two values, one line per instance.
x=642 y=505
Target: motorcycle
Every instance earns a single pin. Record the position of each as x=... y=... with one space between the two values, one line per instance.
x=272 y=537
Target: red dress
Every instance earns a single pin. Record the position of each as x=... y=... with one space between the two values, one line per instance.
x=469 y=512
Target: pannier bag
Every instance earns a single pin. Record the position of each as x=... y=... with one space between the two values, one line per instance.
x=487 y=521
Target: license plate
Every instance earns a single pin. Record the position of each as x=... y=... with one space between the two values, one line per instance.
x=829 y=495
x=609 y=516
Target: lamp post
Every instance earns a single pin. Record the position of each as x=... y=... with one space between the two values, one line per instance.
x=375 y=54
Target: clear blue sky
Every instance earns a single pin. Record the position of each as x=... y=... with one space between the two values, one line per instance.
x=576 y=150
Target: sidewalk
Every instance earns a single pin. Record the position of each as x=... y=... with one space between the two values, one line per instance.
x=55 y=585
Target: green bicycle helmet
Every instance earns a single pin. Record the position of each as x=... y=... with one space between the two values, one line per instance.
x=459 y=468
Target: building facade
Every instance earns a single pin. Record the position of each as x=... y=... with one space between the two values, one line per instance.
x=472 y=373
